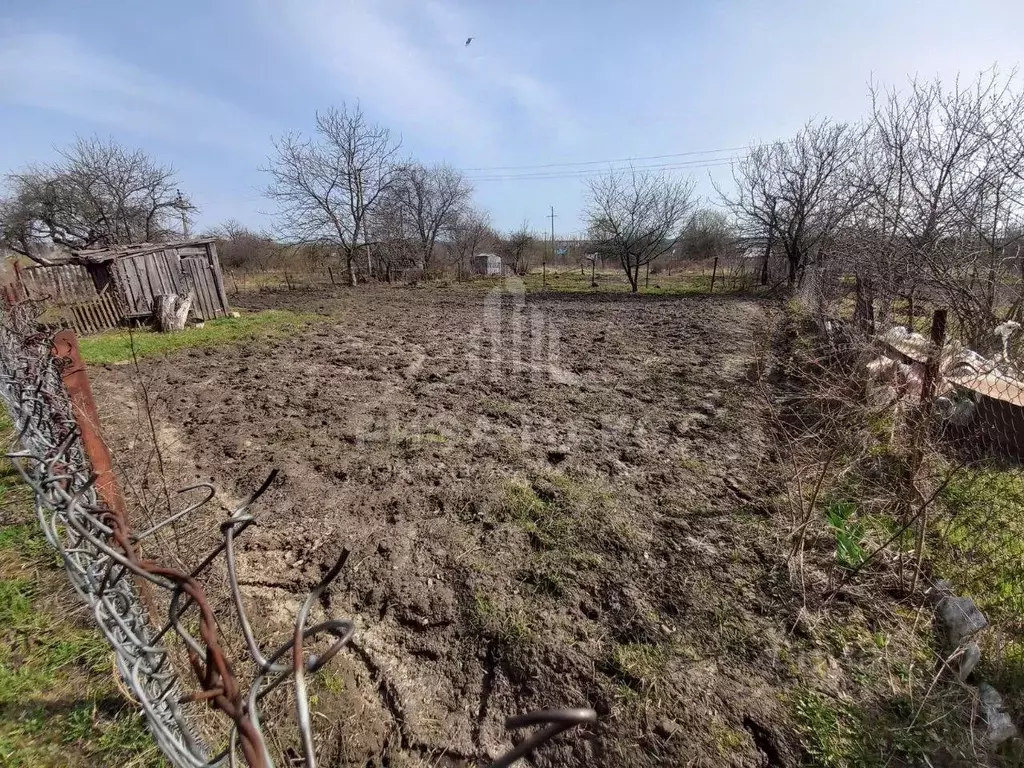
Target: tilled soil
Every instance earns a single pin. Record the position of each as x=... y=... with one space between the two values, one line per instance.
x=550 y=501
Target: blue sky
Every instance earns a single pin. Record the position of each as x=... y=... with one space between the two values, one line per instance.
x=204 y=84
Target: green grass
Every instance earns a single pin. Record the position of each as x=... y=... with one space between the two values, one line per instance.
x=59 y=704
x=980 y=547
x=504 y=623
x=614 y=281
x=832 y=732
x=116 y=346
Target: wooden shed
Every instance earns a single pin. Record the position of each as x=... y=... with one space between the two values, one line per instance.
x=136 y=274
x=101 y=287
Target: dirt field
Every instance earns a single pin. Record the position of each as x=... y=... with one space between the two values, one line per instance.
x=550 y=502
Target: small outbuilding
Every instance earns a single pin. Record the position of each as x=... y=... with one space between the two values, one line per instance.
x=489 y=264
x=124 y=281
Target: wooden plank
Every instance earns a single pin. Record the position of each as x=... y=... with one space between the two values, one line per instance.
x=200 y=301
x=218 y=277
x=197 y=288
x=103 y=308
x=79 y=323
x=211 y=291
x=123 y=286
x=145 y=263
x=172 y=262
x=94 y=320
x=208 y=288
x=87 y=321
x=111 y=305
x=145 y=292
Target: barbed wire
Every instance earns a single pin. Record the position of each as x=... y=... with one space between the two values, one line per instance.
x=86 y=523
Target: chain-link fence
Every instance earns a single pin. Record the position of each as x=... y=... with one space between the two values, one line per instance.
x=63 y=459
x=903 y=418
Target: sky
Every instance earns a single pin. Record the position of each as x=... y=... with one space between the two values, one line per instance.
x=546 y=94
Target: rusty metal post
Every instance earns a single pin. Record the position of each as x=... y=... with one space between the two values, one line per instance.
x=76 y=382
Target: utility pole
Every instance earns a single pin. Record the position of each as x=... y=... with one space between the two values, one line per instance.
x=184 y=217
x=552 y=217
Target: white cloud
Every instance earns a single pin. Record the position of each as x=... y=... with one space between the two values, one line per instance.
x=407 y=61
x=54 y=72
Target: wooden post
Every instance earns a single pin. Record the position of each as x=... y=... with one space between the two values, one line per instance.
x=593 y=273
x=647 y=275
x=19 y=281
x=714 y=271
x=544 y=272
x=331 y=273
x=919 y=431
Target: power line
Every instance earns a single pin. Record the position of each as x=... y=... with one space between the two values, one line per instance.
x=584 y=173
x=602 y=162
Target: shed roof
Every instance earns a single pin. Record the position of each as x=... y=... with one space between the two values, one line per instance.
x=96 y=255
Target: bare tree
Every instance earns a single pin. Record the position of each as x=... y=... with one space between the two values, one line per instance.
x=796 y=194
x=98 y=194
x=327 y=187
x=636 y=217
x=516 y=248
x=395 y=245
x=707 y=234
x=433 y=198
x=469 y=233
x=238 y=247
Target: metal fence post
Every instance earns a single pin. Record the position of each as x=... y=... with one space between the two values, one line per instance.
x=76 y=382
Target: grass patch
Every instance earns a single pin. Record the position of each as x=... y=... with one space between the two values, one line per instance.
x=681 y=283
x=980 y=548
x=504 y=624
x=831 y=731
x=639 y=665
x=59 y=704
x=116 y=346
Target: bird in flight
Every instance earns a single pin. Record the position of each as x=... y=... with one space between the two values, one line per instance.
x=469 y=40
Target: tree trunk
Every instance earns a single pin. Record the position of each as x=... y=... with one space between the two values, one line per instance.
x=170 y=312
x=351 y=270
x=794 y=263
x=864 y=308
x=634 y=277
x=767 y=257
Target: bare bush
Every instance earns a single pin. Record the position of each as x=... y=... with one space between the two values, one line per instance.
x=240 y=248
x=516 y=247
x=636 y=217
x=326 y=188
x=469 y=233
x=98 y=194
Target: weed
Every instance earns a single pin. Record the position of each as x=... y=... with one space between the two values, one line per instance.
x=639 y=665
x=831 y=731
x=981 y=547
x=116 y=346
x=46 y=662
x=504 y=624
x=849 y=533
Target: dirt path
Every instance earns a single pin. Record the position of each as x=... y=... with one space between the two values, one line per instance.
x=549 y=502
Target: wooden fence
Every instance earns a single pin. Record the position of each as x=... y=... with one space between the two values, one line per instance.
x=99 y=313
x=67 y=282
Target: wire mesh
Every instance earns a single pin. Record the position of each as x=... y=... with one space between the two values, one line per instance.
x=105 y=564
x=906 y=423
